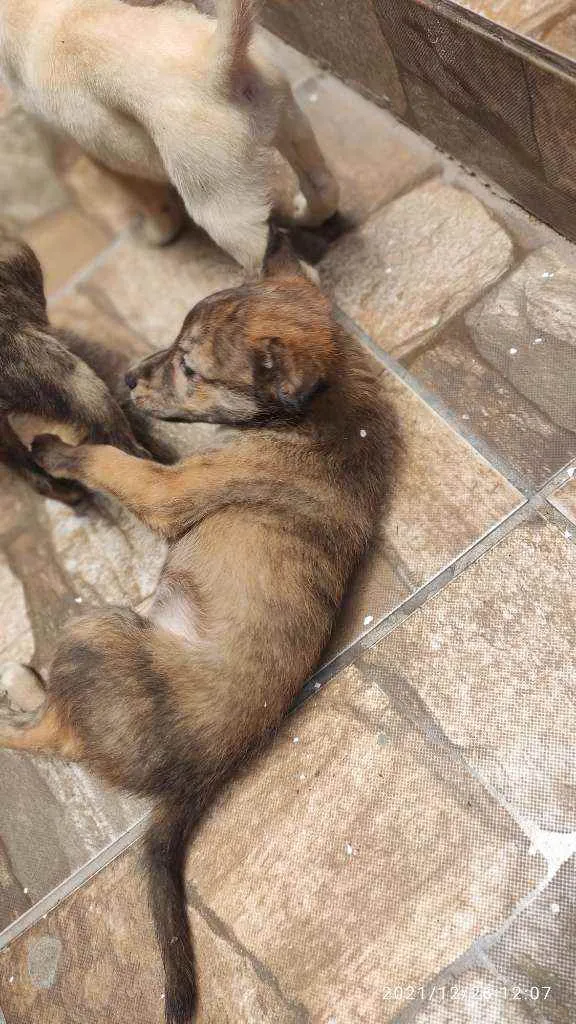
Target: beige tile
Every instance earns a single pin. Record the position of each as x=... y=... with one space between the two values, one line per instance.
x=99 y=193
x=437 y=513
x=525 y=327
x=537 y=953
x=15 y=632
x=29 y=185
x=335 y=855
x=76 y=311
x=524 y=15
x=416 y=263
x=517 y=433
x=475 y=997
x=351 y=839
x=562 y=36
x=107 y=924
x=65 y=243
x=372 y=156
x=109 y=556
x=153 y=289
x=565 y=499
x=491 y=657
x=13 y=900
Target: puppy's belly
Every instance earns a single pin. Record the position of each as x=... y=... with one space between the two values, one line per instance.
x=176 y=613
x=27 y=427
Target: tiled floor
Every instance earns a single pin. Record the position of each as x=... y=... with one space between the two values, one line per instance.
x=406 y=849
x=553 y=22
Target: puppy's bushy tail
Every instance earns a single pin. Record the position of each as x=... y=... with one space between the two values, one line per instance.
x=165 y=845
x=235 y=25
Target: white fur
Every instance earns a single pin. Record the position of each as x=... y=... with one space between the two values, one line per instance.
x=150 y=93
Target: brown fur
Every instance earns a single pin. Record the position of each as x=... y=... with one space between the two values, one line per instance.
x=45 y=384
x=264 y=537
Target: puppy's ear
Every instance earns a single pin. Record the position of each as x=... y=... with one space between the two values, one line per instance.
x=288 y=375
x=280 y=259
x=21 y=278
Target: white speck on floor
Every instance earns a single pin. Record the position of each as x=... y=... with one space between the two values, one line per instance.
x=538 y=341
x=349 y=849
x=513 y=351
x=363 y=433
x=25 y=890
x=465 y=416
x=554 y=908
x=296 y=739
x=436 y=643
x=568 y=534
x=78 y=600
x=548 y=274
x=368 y=619
x=313 y=97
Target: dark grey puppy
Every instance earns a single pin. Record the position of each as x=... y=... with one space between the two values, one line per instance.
x=53 y=381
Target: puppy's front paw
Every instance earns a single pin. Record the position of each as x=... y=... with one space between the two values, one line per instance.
x=55 y=457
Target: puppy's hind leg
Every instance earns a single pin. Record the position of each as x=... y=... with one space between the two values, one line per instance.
x=30 y=723
x=17 y=457
x=161 y=209
x=297 y=143
x=21 y=686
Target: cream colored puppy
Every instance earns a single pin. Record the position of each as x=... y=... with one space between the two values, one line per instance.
x=164 y=95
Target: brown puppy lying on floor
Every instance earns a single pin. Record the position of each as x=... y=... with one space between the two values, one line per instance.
x=165 y=96
x=46 y=385
x=264 y=538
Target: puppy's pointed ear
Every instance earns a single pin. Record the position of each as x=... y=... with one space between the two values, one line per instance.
x=280 y=260
x=287 y=375
x=21 y=277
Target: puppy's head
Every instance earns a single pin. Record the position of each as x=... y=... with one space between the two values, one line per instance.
x=247 y=355
x=21 y=284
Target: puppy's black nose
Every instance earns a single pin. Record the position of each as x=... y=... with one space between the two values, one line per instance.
x=131 y=379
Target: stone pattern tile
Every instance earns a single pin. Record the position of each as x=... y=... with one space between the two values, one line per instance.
x=491 y=658
x=507 y=368
x=562 y=36
x=372 y=156
x=415 y=264
x=565 y=499
x=312 y=910
x=525 y=328
x=474 y=997
x=526 y=16
x=412 y=545
x=537 y=953
x=518 y=434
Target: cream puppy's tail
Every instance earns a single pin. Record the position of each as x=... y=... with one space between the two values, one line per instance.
x=235 y=25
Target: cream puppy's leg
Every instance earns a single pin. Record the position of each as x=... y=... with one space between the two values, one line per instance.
x=297 y=144
x=161 y=209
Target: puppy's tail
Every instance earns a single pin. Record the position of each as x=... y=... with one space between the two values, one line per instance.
x=235 y=25
x=165 y=847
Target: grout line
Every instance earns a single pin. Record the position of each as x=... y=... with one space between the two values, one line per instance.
x=87 y=270
x=414 y=602
x=74 y=882
x=436 y=404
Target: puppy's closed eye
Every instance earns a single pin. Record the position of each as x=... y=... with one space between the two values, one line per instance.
x=189 y=371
